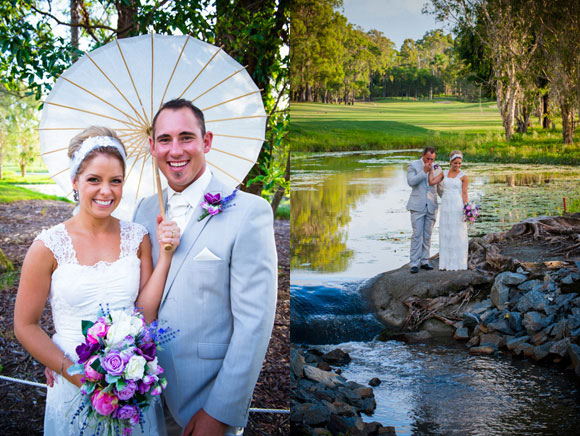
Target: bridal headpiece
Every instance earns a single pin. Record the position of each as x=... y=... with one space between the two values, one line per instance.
x=455 y=156
x=89 y=145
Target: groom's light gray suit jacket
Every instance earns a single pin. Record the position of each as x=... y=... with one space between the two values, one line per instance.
x=224 y=309
x=422 y=194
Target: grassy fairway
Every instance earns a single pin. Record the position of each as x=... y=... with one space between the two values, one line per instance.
x=9 y=192
x=474 y=128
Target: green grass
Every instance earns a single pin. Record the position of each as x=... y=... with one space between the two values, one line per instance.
x=283 y=211
x=9 y=192
x=389 y=124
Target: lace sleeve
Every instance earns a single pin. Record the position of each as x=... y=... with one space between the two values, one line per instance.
x=131 y=237
x=56 y=239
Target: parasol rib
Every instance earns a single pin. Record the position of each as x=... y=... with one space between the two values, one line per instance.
x=118 y=90
x=238 y=137
x=234 y=155
x=223 y=171
x=231 y=99
x=236 y=118
x=53 y=151
x=133 y=166
x=88 y=112
x=219 y=83
x=140 y=178
x=200 y=71
x=132 y=82
x=101 y=99
x=59 y=173
x=173 y=72
x=152 y=71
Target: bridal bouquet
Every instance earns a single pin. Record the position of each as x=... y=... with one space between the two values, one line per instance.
x=470 y=212
x=121 y=375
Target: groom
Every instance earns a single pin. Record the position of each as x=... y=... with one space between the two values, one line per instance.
x=221 y=288
x=423 y=207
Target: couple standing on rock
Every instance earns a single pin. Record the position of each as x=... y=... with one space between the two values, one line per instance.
x=427 y=180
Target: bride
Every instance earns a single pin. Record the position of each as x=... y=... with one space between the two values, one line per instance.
x=90 y=259
x=453 y=242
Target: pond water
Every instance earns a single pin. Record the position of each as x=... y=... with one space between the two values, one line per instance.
x=349 y=223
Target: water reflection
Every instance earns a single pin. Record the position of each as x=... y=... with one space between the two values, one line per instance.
x=438 y=390
x=349 y=217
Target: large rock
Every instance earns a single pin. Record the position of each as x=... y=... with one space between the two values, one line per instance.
x=328 y=379
x=532 y=300
x=533 y=322
x=387 y=292
x=336 y=357
x=513 y=343
x=574 y=353
x=296 y=363
x=310 y=414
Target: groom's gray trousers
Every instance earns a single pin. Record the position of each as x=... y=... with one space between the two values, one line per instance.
x=422 y=223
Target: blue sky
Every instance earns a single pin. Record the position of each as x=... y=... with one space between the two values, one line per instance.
x=397 y=19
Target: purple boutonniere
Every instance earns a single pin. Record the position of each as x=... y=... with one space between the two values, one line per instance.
x=214 y=203
x=435 y=167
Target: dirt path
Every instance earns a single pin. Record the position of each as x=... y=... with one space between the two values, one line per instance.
x=22 y=407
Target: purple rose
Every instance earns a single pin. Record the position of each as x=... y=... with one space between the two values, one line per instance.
x=143 y=388
x=128 y=391
x=113 y=363
x=156 y=390
x=86 y=350
x=127 y=412
x=213 y=199
x=148 y=351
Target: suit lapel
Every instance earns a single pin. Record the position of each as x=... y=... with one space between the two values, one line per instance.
x=190 y=235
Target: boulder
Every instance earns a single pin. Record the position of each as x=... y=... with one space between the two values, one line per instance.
x=531 y=284
x=365 y=392
x=368 y=406
x=541 y=351
x=470 y=320
x=499 y=292
x=310 y=414
x=387 y=292
x=328 y=379
x=491 y=340
x=344 y=409
x=533 y=322
x=479 y=351
x=501 y=325
x=515 y=321
x=461 y=334
x=560 y=347
x=510 y=278
x=532 y=300
x=296 y=363
x=336 y=357
x=374 y=382
x=511 y=344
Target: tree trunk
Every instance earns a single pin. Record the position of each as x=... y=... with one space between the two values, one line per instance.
x=74 y=20
x=127 y=14
x=545 y=111
x=567 y=123
x=22 y=170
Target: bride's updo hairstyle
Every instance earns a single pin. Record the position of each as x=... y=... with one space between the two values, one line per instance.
x=454 y=155
x=82 y=150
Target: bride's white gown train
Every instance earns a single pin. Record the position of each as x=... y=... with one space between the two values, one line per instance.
x=453 y=241
x=75 y=294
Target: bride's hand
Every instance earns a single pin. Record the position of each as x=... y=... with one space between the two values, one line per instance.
x=168 y=233
x=49 y=374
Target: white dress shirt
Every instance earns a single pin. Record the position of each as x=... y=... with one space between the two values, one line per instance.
x=180 y=205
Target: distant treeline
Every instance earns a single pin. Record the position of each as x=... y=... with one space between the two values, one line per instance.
x=523 y=53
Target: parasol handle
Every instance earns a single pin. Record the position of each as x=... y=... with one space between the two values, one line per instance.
x=166 y=247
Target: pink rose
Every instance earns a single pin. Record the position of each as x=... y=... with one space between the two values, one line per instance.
x=156 y=389
x=104 y=403
x=90 y=373
x=98 y=330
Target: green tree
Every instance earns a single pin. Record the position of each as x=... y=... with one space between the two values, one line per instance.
x=252 y=32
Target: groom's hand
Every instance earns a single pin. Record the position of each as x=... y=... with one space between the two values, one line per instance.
x=427 y=167
x=202 y=424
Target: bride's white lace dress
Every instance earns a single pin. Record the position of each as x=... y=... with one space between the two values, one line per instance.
x=453 y=242
x=75 y=294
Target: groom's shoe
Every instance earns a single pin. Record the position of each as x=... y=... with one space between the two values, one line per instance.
x=427 y=267
x=414 y=270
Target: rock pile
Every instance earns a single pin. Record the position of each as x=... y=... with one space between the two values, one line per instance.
x=532 y=316
x=323 y=402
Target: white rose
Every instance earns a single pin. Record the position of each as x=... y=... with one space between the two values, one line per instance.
x=152 y=366
x=135 y=368
x=123 y=324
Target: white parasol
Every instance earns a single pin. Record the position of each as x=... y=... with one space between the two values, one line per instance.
x=122 y=85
